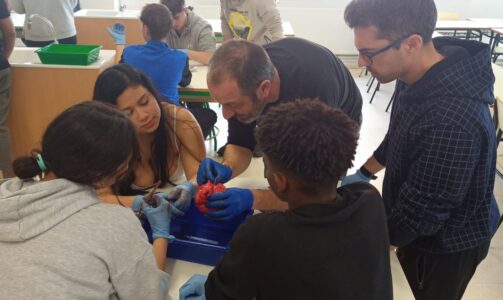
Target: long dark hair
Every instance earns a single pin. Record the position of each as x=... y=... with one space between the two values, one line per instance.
x=108 y=87
x=85 y=144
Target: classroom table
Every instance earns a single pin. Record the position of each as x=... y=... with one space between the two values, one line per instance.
x=464 y=25
x=197 y=90
x=490 y=23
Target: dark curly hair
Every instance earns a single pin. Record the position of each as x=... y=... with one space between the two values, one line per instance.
x=308 y=140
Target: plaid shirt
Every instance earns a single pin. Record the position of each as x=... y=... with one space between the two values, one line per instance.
x=440 y=154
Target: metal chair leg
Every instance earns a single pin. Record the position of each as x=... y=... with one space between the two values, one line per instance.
x=371 y=83
x=374 y=93
x=368 y=81
x=361 y=72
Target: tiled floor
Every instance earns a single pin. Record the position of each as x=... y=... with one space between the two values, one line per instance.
x=487 y=283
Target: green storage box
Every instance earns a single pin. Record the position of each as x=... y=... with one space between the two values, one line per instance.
x=68 y=54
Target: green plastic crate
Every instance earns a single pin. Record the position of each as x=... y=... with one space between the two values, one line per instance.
x=68 y=54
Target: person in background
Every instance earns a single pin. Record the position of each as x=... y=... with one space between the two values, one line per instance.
x=77 y=7
x=166 y=67
x=171 y=142
x=257 y=21
x=7 y=45
x=440 y=148
x=57 y=239
x=247 y=80
x=190 y=33
x=38 y=33
x=331 y=243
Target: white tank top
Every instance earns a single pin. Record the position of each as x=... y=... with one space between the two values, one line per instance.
x=179 y=176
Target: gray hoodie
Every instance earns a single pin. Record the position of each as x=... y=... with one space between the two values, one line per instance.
x=197 y=35
x=257 y=21
x=58 y=241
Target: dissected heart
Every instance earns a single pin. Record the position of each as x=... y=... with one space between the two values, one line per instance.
x=206 y=190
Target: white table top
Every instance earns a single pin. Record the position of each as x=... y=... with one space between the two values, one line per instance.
x=489 y=22
x=460 y=24
x=498 y=30
x=216 y=25
x=198 y=81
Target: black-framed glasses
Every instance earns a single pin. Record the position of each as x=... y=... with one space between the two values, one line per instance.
x=368 y=56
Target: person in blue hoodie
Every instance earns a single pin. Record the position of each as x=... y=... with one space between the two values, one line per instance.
x=440 y=148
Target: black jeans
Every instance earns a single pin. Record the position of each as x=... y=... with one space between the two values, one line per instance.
x=30 y=43
x=440 y=276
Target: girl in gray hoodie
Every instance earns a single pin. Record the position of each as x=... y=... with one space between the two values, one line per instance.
x=57 y=239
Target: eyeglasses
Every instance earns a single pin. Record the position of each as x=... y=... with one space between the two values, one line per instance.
x=368 y=56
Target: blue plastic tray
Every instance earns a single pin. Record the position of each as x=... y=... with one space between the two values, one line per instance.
x=199 y=239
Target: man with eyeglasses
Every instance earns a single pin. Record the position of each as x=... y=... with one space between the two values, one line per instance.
x=439 y=151
x=190 y=33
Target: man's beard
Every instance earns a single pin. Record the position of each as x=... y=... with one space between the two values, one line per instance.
x=258 y=108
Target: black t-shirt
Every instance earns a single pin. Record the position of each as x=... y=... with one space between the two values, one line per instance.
x=337 y=250
x=4 y=13
x=306 y=70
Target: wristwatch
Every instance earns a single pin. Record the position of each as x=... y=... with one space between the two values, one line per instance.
x=367 y=173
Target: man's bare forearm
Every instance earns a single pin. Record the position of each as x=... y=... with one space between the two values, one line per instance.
x=202 y=57
x=237 y=158
x=372 y=165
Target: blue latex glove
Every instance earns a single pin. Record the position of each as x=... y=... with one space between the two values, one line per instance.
x=193 y=289
x=118 y=33
x=230 y=203
x=159 y=218
x=182 y=195
x=137 y=202
x=356 y=177
x=210 y=170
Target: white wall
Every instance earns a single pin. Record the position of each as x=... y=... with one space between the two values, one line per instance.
x=322 y=20
x=101 y=4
